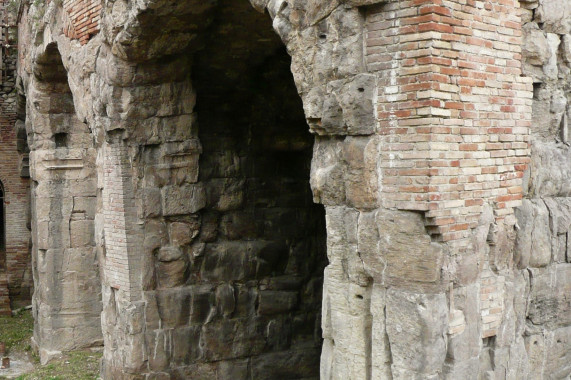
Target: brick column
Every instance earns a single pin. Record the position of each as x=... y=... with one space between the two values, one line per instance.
x=122 y=262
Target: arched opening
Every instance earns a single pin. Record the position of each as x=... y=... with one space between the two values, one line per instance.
x=264 y=237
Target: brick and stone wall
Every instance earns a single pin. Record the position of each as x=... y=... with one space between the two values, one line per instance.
x=454 y=110
x=443 y=181
x=15 y=272
x=82 y=19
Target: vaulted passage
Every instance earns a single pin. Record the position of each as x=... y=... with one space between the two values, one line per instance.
x=264 y=238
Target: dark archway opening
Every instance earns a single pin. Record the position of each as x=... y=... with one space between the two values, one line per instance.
x=263 y=234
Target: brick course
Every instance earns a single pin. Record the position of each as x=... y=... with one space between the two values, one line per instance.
x=83 y=22
x=453 y=108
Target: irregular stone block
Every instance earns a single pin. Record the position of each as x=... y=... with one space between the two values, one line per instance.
x=397 y=250
x=276 y=302
x=416 y=325
x=549 y=303
x=533 y=241
x=82 y=233
x=348 y=106
x=555 y=16
x=181 y=200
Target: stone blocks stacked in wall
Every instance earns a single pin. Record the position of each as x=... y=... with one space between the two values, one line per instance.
x=542 y=245
x=210 y=272
x=66 y=301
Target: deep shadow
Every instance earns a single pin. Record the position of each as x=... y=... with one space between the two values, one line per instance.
x=260 y=222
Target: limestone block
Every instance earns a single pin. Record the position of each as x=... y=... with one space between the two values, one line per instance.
x=185 y=345
x=174 y=306
x=348 y=107
x=416 y=327
x=232 y=338
x=173 y=273
x=342 y=248
x=361 y=184
x=227 y=261
x=550 y=173
x=82 y=233
x=160 y=349
x=293 y=364
x=182 y=234
x=276 y=302
x=566 y=46
x=403 y=245
x=85 y=205
x=551 y=69
x=239 y=224
x=464 y=333
x=549 y=296
x=555 y=16
x=151 y=203
x=535 y=49
x=327 y=172
x=533 y=241
x=225 y=300
x=180 y=200
x=548 y=353
x=225 y=194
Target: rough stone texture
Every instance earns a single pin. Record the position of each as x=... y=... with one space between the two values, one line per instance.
x=169 y=150
x=15 y=263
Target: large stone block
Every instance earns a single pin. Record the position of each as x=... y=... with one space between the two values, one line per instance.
x=549 y=302
x=181 y=200
x=416 y=327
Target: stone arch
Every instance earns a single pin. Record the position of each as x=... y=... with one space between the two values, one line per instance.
x=233 y=246
x=62 y=162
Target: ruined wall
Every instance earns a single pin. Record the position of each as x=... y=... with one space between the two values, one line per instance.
x=67 y=293
x=542 y=243
x=15 y=263
x=446 y=236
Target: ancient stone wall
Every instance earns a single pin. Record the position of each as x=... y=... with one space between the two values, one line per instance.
x=67 y=296
x=15 y=264
x=542 y=245
x=179 y=133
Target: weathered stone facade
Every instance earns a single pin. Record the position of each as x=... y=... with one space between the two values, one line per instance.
x=174 y=177
x=15 y=263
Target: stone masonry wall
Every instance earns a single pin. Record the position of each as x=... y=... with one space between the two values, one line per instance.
x=423 y=120
x=15 y=272
x=67 y=294
x=542 y=244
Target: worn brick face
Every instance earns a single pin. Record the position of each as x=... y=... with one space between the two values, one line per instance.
x=453 y=108
x=83 y=19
